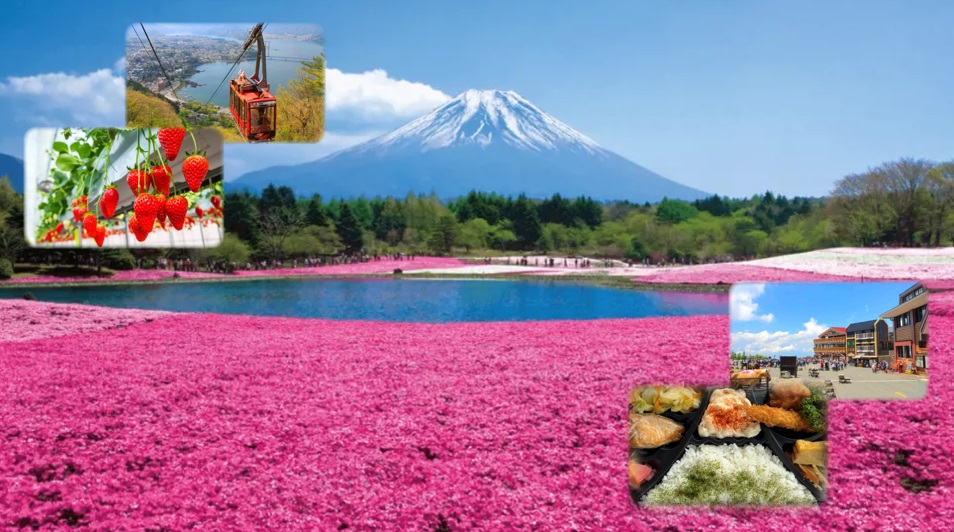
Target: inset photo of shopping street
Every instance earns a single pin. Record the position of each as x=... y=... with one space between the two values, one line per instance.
x=854 y=340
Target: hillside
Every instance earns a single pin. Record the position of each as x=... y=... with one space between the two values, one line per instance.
x=12 y=168
x=143 y=110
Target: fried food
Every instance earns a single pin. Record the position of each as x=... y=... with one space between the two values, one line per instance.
x=771 y=416
x=788 y=394
x=725 y=416
x=648 y=431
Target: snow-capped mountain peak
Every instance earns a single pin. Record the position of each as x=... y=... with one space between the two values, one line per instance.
x=483 y=117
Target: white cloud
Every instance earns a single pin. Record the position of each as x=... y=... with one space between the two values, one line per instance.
x=360 y=105
x=97 y=99
x=374 y=93
x=742 y=306
x=767 y=343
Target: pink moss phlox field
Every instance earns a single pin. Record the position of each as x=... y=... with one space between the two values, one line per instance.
x=320 y=424
x=26 y=320
x=119 y=276
x=729 y=273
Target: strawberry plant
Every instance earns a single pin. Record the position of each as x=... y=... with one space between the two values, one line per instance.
x=83 y=203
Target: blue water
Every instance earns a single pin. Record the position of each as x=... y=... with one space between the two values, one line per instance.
x=433 y=301
x=279 y=72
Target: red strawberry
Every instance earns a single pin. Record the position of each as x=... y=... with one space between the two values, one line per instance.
x=195 y=168
x=176 y=208
x=161 y=212
x=216 y=202
x=146 y=207
x=137 y=229
x=171 y=140
x=198 y=211
x=138 y=180
x=100 y=234
x=59 y=228
x=108 y=201
x=78 y=213
x=89 y=223
x=161 y=178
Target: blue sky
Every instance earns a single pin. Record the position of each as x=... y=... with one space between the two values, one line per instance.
x=733 y=97
x=783 y=318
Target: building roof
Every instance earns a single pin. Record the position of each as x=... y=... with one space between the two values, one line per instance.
x=911 y=289
x=907 y=306
x=861 y=326
x=840 y=330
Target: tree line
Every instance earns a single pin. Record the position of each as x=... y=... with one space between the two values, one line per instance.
x=277 y=224
x=907 y=202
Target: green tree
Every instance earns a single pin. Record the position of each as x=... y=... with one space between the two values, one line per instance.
x=241 y=216
x=349 y=231
x=231 y=250
x=526 y=223
x=675 y=211
x=391 y=222
x=301 y=105
x=315 y=212
x=445 y=233
x=474 y=234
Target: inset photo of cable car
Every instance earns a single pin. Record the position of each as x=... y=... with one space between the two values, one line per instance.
x=254 y=82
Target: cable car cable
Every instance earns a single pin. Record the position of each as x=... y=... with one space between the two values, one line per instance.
x=227 y=75
x=172 y=85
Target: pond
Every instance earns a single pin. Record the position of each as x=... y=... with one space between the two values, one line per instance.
x=416 y=300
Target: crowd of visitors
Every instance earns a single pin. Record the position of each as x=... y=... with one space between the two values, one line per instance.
x=216 y=266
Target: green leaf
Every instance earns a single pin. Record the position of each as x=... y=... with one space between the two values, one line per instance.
x=67 y=162
x=60 y=178
x=60 y=147
x=84 y=150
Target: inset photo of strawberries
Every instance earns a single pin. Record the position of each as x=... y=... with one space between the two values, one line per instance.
x=123 y=188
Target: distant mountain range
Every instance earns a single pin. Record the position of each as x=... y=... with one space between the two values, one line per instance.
x=12 y=167
x=487 y=140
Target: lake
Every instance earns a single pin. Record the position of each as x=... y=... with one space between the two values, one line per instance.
x=279 y=72
x=434 y=301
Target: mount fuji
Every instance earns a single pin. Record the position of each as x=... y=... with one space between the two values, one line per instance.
x=485 y=140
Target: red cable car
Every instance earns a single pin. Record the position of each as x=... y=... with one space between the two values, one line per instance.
x=254 y=109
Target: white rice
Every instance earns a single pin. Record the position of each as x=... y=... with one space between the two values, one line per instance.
x=735 y=475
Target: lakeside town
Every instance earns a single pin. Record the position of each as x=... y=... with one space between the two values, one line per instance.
x=181 y=57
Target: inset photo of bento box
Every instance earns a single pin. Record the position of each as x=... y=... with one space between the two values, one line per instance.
x=123 y=188
x=711 y=446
